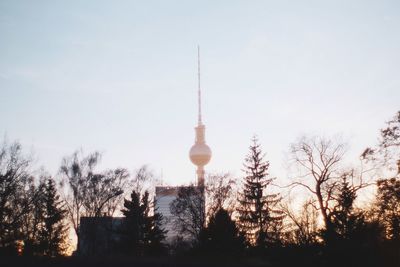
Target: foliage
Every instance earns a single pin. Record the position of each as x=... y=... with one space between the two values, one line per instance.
x=388 y=204
x=53 y=232
x=259 y=216
x=390 y=142
x=346 y=222
x=32 y=220
x=32 y=214
x=221 y=237
x=143 y=232
x=15 y=201
x=387 y=153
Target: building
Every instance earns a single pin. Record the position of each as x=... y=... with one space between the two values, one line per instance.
x=165 y=195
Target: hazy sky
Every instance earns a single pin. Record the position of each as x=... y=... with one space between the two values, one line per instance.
x=121 y=76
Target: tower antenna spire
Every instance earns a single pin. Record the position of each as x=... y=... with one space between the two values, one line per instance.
x=199 y=88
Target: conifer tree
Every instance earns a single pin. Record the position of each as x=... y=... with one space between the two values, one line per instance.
x=142 y=230
x=259 y=219
x=155 y=234
x=346 y=222
x=133 y=221
x=53 y=232
x=221 y=237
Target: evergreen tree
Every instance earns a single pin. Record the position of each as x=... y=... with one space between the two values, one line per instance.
x=155 y=234
x=259 y=219
x=222 y=237
x=53 y=232
x=133 y=221
x=15 y=195
x=142 y=231
x=388 y=205
x=346 y=223
x=32 y=221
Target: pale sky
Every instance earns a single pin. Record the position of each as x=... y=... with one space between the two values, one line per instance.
x=121 y=77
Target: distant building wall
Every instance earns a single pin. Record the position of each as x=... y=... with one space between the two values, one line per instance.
x=165 y=195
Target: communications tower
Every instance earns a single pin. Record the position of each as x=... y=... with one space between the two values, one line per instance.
x=200 y=153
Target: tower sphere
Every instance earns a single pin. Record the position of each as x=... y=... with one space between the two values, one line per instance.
x=200 y=154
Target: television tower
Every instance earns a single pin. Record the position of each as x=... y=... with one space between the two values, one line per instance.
x=200 y=153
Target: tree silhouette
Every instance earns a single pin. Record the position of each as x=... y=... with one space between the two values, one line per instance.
x=319 y=158
x=142 y=232
x=303 y=227
x=54 y=232
x=387 y=153
x=390 y=143
x=15 y=179
x=222 y=238
x=103 y=192
x=259 y=217
x=75 y=171
x=90 y=193
x=346 y=222
x=188 y=210
x=219 y=193
x=32 y=219
x=388 y=202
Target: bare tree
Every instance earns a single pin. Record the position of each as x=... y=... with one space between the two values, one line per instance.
x=319 y=161
x=120 y=180
x=303 y=225
x=220 y=193
x=76 y=171
x=387 y=153
x=390 y=143
x=188 y=210
x=103 y=192
x=142 y=178
x=90 y=193
x=15 y=180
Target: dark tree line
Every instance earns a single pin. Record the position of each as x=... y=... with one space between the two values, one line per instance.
x=260 y=220
x=227 y=217
x=31 y=212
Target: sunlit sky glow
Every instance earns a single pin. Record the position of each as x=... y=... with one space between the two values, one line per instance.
x=120 y=77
